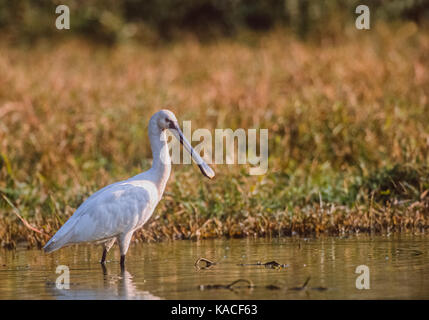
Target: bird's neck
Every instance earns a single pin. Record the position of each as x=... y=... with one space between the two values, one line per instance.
x=161 y=165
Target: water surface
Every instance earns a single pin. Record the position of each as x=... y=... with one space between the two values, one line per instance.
x=398 y=266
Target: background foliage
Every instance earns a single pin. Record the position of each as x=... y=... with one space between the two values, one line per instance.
x=118 y=20
x=347 y=113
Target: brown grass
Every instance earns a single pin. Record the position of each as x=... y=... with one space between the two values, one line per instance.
x=73 y=118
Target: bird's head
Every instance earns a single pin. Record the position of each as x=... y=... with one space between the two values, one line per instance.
x=165 y=119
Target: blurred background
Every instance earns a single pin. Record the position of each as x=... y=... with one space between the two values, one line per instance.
x=347 y=112
x=110 y=21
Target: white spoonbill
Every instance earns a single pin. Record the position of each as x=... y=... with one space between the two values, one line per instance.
x=117 y=210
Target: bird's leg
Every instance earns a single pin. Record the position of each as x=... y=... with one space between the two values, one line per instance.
x=107 y=245
x=122 y=263
x=103 y=257
x=103 y=267
x=124 y=243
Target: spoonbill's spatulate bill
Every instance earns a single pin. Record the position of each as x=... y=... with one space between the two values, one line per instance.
x=117 y=210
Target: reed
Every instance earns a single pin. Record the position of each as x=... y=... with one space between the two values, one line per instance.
x=348 y=120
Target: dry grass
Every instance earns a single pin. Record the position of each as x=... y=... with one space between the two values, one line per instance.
x=73 y=118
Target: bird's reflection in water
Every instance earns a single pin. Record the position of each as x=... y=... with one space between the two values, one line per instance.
x=119 y=286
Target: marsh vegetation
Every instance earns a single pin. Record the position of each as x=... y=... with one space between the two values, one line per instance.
x=347 y=113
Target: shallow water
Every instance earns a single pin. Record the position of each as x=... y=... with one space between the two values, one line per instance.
x=398 y=269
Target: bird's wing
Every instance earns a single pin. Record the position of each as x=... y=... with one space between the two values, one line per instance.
x=113 y=210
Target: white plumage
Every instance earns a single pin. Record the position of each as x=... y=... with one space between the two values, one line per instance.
x=117 y=210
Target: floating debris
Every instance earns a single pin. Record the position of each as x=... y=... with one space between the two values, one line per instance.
x=231 y=286
x=304 y=287
x=412 y=252
x=319 y=288
x=271 y=264
x=208 y=263
x=273 y=287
